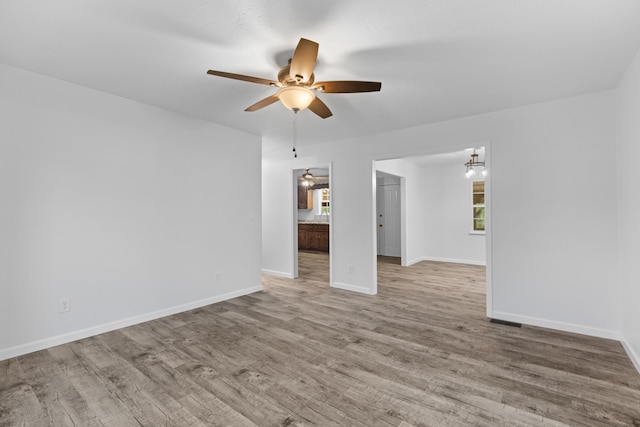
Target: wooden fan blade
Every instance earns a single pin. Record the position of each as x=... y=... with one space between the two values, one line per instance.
x=304 y=60
x=263 y=103
x=243 y=78
x=319 y=107
x=347 y=86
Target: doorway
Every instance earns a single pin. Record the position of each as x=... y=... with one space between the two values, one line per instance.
x=312 y=224
x=388 y=214
x=439 y=212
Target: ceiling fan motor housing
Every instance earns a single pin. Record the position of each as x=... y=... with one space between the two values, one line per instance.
x=285 y=78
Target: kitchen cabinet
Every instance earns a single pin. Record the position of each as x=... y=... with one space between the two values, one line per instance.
x=305 y=197
x=313 y=237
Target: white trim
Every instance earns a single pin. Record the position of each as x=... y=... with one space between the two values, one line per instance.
x=413 y=261
x=488 y=224
x=277 y=273
x=352 y=288
x=293 y=184
x=553 y=324
x=635 y=357
x=452 y=260
x=331 y=222
x=374 y=234
x=403 y=221
x=476 y=232
x=118 y=324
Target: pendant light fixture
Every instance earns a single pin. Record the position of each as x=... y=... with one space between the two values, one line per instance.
x=474 y=165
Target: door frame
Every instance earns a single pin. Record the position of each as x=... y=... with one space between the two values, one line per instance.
x=488 y=211
x=401 y=207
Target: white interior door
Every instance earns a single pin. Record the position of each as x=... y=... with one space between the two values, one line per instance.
x=388 y=216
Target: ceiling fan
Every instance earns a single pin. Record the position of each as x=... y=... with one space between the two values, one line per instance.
x=308 y=177
x=297 y=85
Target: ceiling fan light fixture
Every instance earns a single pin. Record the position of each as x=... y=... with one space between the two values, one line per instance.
x=296 y=97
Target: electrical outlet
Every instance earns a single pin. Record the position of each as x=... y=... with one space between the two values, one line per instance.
x=64 y=305
x=218 y=277
x=350 y=268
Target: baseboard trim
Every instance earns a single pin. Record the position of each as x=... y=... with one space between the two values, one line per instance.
x=633 y=355
x=346 y=287
x=277 y=273
x=413 y=261
x=560 y=326
x=118 y=324
x=453 y=260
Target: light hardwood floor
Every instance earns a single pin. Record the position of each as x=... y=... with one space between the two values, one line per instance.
x=420 y=353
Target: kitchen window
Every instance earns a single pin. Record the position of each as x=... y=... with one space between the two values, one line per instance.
x=325 y=202
x=478 y=207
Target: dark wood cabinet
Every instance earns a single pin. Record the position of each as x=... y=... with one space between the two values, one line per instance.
x=305 y=197
x=313 y=237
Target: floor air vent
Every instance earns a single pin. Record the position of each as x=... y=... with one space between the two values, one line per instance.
x=507 y=323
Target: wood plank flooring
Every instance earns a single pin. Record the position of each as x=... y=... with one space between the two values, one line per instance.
x=420 y=353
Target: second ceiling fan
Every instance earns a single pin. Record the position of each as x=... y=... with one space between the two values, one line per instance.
x=297 y=85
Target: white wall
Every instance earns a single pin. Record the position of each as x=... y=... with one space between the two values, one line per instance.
x=125 y=208
x=447 y=196
x=278 y=186
x=628 y=151
x=553 y=264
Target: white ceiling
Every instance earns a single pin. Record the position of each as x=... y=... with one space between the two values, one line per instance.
x=436 y=59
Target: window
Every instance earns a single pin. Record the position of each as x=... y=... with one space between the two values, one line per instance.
x=478 y=206
x=325 y=205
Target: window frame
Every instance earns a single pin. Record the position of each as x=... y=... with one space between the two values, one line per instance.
x=478 y=205
x=325 y=202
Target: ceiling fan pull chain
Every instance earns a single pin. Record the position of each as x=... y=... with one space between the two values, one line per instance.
x=295 y=132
